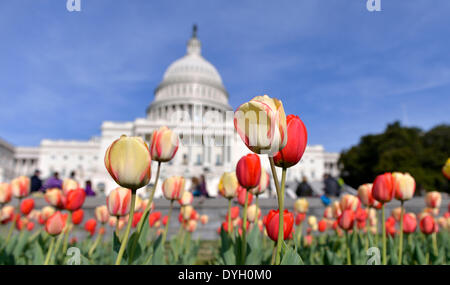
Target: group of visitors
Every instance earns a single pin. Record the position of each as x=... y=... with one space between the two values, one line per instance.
x=54 y=181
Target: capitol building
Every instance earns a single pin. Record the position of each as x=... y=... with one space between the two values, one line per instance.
x=192 y=100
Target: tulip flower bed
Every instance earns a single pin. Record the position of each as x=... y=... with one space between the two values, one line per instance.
x=348 y=233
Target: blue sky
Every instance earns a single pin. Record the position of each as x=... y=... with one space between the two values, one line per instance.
x=345 y=71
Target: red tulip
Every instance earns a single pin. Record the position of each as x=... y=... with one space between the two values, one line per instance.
x=390 y=226
x=136 y=218
x=234 y=213
x=26 y=206
x=361 y=215
x=346 y=220
x=153 y=218
x=225 y=226
x=322 y=223
x=248 y=171
x=291 y=154
x=299 y=218
x=272 y=224
x=383 y=188
x=77 y=216
x=30 y=226
x=427 y=225
x=55 y=224
x=164 y=220
x=241 y=196
x=90 y=226
x=75 y=199
x=409 y=223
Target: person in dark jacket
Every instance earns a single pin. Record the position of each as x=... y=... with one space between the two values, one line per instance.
x=304 y=189
x=36 y=182
x=332 y=187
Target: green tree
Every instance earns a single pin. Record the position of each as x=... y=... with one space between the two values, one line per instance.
x=404 y=149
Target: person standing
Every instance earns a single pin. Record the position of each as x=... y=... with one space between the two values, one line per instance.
x=88 y=189
x=36 y=182
x=332 y=187
x=304 y=189
x=53 y=182
x=203 y=187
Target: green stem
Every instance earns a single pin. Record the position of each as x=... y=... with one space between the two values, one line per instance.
x=94 y=246
x=274 y=174
x=61 y=236
x=274 y=254
x=167 y=224
x=349 y=255
x=127 y=232
x=400 y=246
x=34 y=236
x=280 y=239
x=244 y=230
x=145 y=213
x=229 y=216
x=13 y=224
x=383 y=224
x=67 y=232
x=49 y=252
x=435 y=248
x=299 y=234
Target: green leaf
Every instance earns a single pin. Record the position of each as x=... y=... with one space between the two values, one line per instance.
x=291 y=257
x=158 y=252
x=420 y=257
x=38 y=255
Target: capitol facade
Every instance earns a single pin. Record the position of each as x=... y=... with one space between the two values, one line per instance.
x=192 y=100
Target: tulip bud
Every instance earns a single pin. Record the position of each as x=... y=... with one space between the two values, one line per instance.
x=163 y=144
x=5 y=193
x=77 y=216
x=263 y=184
x=90 y=226
x=191 y=226
x=128 y=162
x=30 y=226
x=20 y=186
x=328 y=213
x=261 y=124
x=69 y=185
x=248 y=171
x=186 y=198
x=234 y=213
x=346 y=220
x=297 y=137
x=383 y=188
x=433 y=199
x=26 y=206
x=409 y=223
x=365 y=194
x=241 y=196
x=396 y=213
x=228 y=185
x=336 y=208
x=272 y=224
x=101 y=214
x=404 y=186
x=119 y=202
x=173 y=187
x=55 y=224
x=6 y=214
x=187 y=211
x=301 y=206
x=253 y=213
x=204 y=219
x=361 y=215
x=153 y=218
x=46 y=213
x=427 y=225
x=322 y=226
x=75 y=199
x=312 y=222
x=54 y=197
x=349 y=202
x=299 y=218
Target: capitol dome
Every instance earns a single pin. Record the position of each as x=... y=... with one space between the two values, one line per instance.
x=188 y=81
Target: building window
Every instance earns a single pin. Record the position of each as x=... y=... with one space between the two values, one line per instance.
x=185 y=159
x=218 y=159
x=65 y=157
x=81 y=157
x=199 y=159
